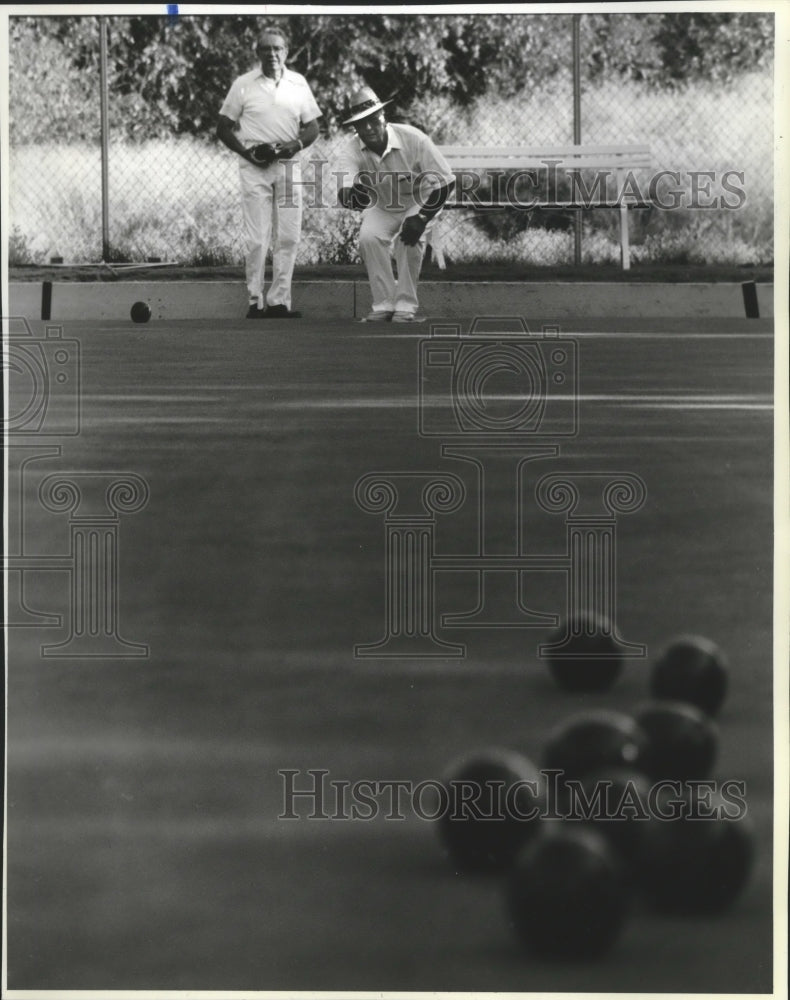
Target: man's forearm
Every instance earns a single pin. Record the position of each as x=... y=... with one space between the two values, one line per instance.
x=435 y=200
x=226 y=135
x=308 y=133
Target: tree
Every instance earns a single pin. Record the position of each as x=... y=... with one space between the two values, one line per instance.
x=170 y=74
x=715 y=47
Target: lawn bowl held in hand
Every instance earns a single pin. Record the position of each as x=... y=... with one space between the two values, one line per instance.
x=583 y=654
x=495 y=799
x=691 y=668
x=140 y=312
x=567 y=897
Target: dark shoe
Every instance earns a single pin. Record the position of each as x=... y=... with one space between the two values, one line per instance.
x=280 y=312
x=254 y=312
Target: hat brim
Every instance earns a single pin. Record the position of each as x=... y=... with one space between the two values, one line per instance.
x=366 y=113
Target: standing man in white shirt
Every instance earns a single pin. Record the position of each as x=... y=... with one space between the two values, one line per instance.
x=400 y=180
x=271 y=105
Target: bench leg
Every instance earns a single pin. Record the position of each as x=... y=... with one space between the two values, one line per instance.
x=625 y=248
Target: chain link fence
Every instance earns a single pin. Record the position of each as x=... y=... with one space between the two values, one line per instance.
x=175 y=197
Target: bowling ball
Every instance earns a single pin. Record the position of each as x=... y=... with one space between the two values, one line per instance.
x=588 y=741
x=490 y=812
x=582 y=655
x=141 y=312
x=683 y=742
x=695 y=865
x=614 y=802
x=693 y=669
x=566 y=894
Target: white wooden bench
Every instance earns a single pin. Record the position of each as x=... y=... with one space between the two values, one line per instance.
x=478 y=160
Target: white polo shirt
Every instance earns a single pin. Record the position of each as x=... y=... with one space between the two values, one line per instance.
x=406 y=172
x=269 y=111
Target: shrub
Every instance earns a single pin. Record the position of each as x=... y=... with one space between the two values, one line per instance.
x=19 y=250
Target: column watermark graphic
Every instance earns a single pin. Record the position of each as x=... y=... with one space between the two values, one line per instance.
x=501 y=399
x=410 y=502
x=42 y=376
x=591 y=502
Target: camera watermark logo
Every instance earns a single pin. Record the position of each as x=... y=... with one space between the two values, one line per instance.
x=498 y=380
x=43 y=374
x=502 y=400
x=42 y=377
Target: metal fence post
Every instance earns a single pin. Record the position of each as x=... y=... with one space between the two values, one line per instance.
x=105 y=142
x=577 y=127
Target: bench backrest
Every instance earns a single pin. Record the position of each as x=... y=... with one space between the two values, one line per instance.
x=565 y=157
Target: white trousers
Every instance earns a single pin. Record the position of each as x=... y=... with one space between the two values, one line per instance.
x=271 y=206
x=376 y=234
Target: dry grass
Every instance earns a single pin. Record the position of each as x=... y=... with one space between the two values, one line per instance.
x=177 y=198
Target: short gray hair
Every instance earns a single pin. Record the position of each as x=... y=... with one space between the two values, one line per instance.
x=273 y=29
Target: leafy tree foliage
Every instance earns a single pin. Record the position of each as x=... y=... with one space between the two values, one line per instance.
x=170 y=75
x=713 y=46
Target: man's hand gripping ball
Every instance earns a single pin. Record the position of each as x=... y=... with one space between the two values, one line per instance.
x=265 y=153
x=412 y=229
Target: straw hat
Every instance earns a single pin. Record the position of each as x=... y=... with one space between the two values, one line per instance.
x=363 y=102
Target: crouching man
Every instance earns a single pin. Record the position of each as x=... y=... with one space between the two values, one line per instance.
x=400 y=181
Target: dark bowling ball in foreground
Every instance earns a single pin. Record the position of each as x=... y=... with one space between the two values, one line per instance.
x=141 y=312
x=582 y=655
x=693 y=669
x=683 y=742
x=490 y=812
x=615 y=802
x=566 y=894
x=588 y=741
x=695 y=866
